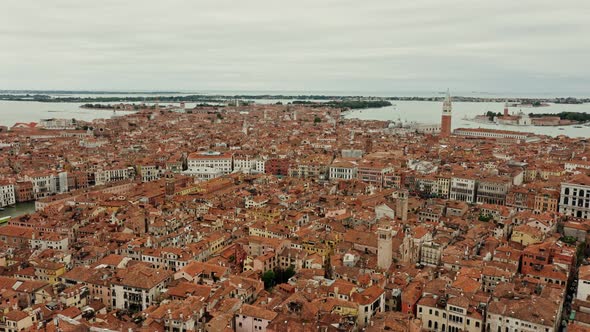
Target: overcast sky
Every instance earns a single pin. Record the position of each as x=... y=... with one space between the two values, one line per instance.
x=532 y=46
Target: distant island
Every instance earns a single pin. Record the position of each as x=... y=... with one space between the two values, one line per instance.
x=344 y=104
x=533 y=119
x=132 y=107
x=350 y=104
x=572 y=116
x=165 y=97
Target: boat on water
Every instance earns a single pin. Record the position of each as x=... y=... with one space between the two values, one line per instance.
x=577 y=126
x=560 y=128
x=4 y=220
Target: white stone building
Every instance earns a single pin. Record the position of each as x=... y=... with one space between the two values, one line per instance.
x=48 y=183
x=575 y=197
x=583 y=283
x=138 y=287
x=463 y=189
x=115 y=174
x=370 y=302
x=453 y=315
x=223 y=162
x=7 y=194
x=248 y=164
x=530 y=314
x=45 y=241
x=253 y=319
x=343 y=170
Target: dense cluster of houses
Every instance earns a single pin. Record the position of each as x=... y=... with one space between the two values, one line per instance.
x=264 y=218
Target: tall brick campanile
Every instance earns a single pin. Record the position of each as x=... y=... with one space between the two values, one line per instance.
x=445 y=125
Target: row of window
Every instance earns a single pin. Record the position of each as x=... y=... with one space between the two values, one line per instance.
x=576 y=192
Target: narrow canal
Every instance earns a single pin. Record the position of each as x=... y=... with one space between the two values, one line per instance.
x=18 y=210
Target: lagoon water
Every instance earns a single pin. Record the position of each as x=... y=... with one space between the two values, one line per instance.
x=12 y=112
x=430 y=112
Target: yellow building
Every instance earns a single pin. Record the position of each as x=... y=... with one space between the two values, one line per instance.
x=318 y=247
x=216 y=241
x=265 y=214
x=547 y=173
x=526 y=235
x=269 y=230
x=338 y=307
x=546 y=202
x=530 y=175
x=48 y=271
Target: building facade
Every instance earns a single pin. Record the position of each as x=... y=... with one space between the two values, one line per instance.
x=7 y=194
x=222 y=162
x=463 y=189
x=575 y=197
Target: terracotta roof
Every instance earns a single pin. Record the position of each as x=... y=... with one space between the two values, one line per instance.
x=257 y=312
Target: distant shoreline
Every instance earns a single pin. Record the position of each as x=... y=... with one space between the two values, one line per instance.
x=72 y=92
x=202 y=98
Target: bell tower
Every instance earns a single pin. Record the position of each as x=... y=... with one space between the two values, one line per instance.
x=401 y=204
x=445 y=125
x=384 y=247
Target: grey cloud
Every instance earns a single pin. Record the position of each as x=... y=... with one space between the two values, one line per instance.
x=376 y=45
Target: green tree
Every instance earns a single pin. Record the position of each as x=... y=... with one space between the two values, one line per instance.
x=485 y=217
x=268 y=278
x=283 y=276
x=569 y=239
x=491 y=115
x=317 y=119
x=290 y=272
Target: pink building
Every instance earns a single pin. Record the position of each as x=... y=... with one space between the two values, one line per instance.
x=252 y=318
